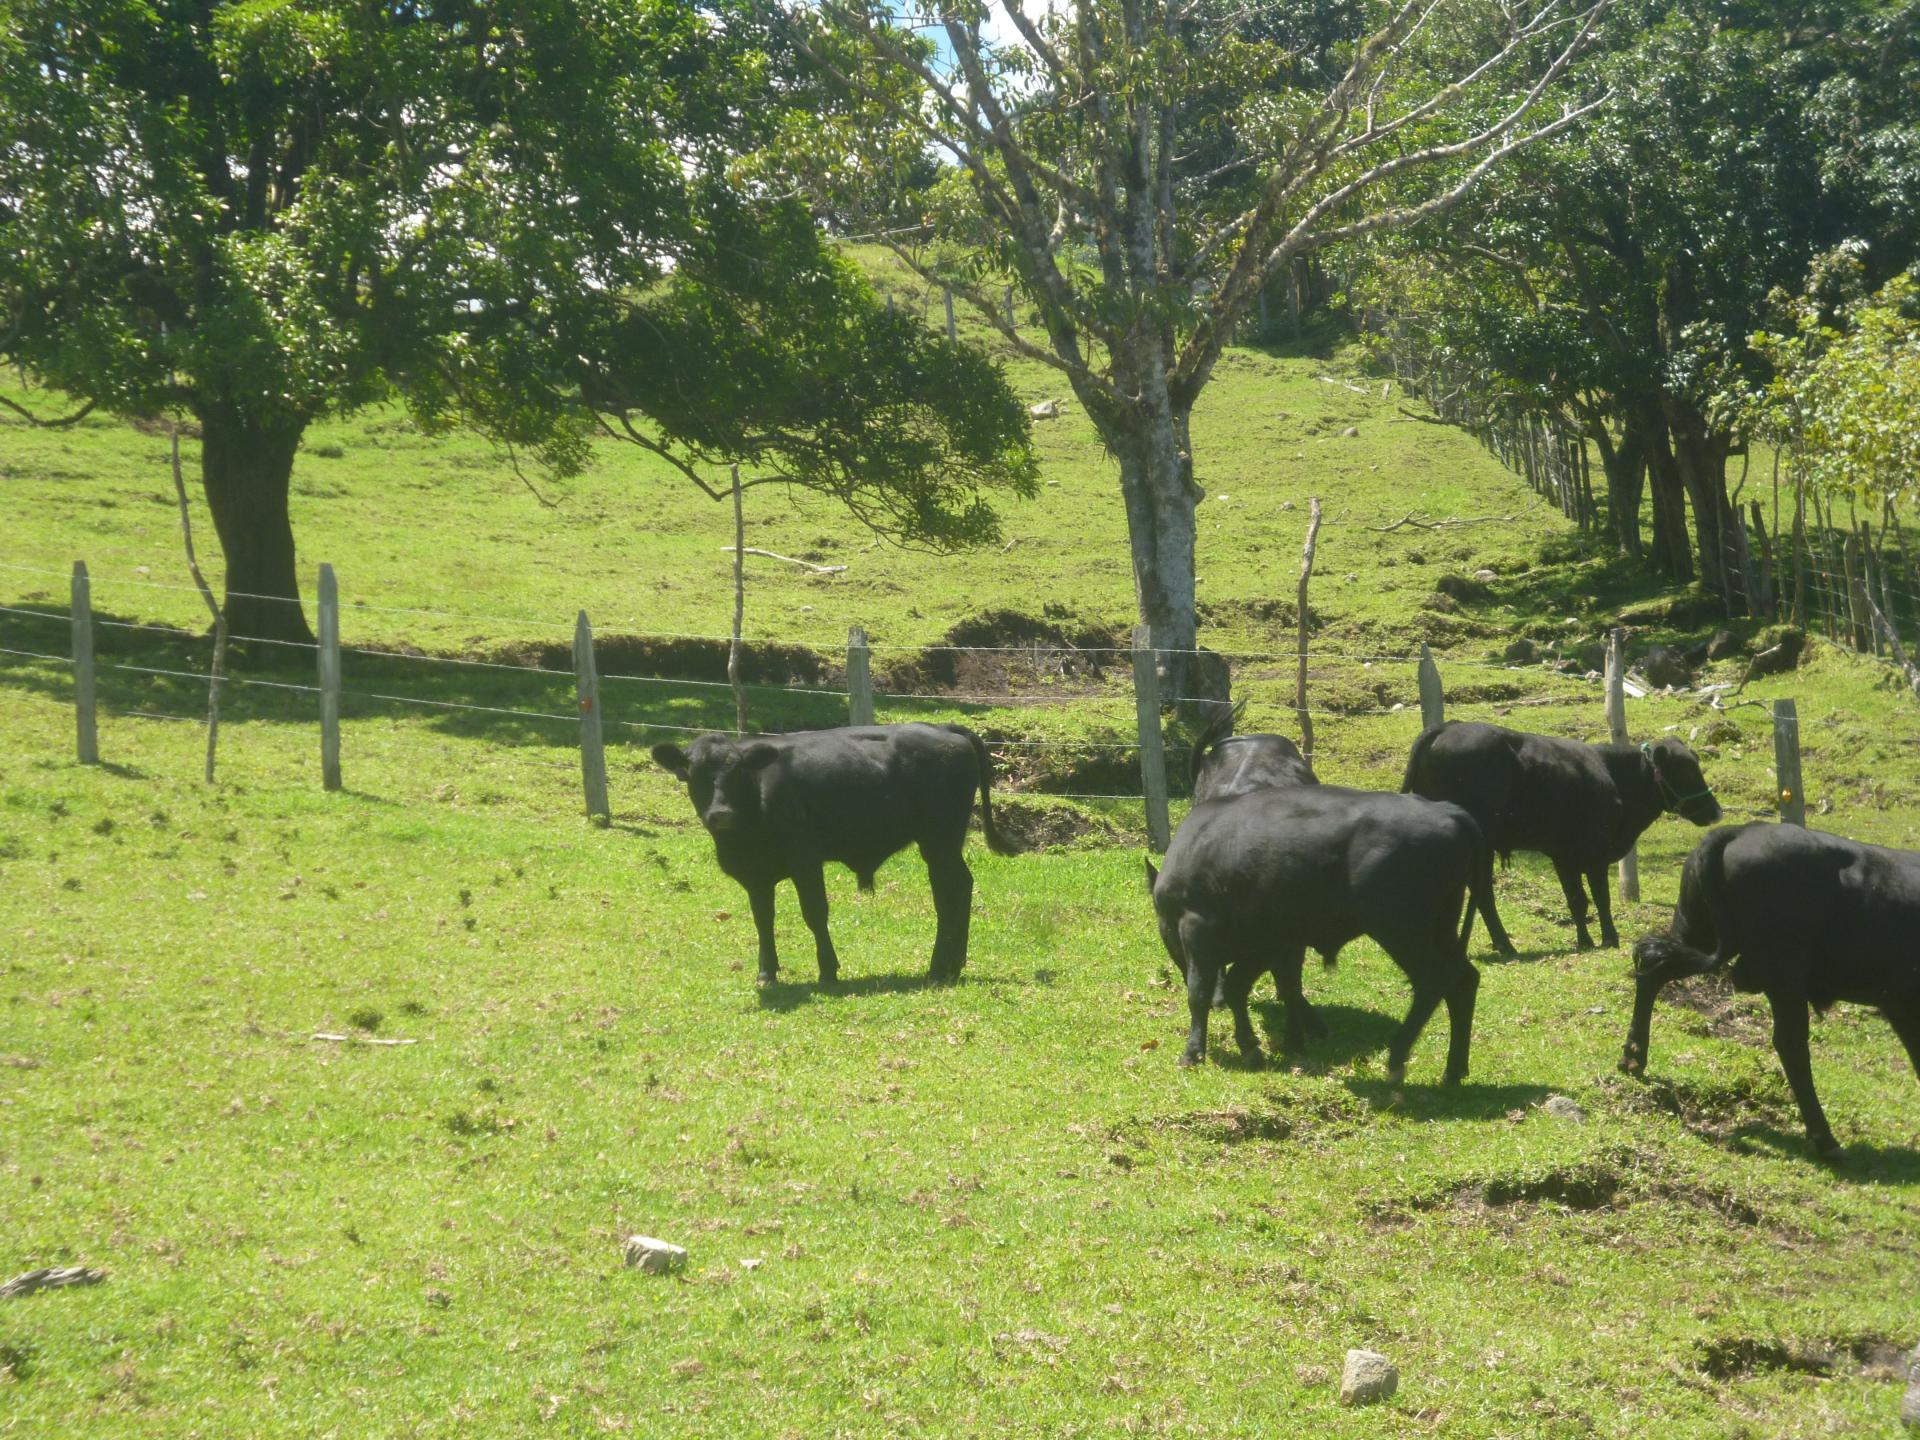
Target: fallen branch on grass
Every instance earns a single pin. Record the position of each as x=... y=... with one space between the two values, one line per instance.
x=1332 y=380
x=358 y=1039
x=804 y=564
x=50 y=1280
x=1417 y=523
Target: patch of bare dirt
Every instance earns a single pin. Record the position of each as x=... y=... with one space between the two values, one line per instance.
x=1050 y=827
x=1007 y=652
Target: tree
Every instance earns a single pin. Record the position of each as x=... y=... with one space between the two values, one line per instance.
x=261 y=213
x=1141 y=168
x=1617 y=272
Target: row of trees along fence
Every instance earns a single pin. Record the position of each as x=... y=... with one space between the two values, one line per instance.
x=1540 y=448
x=859 y=696
x=1791 y=555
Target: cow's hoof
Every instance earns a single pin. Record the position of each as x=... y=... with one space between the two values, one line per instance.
x=1827 y=1150
x=1453 y=1077
x=1396 y=1075
x=1633 y=1062
x=829 y=979
x=766 y=978
x=1506 y=948
x=1254 y=1058
x=1188 y=1059
x=1585 y=942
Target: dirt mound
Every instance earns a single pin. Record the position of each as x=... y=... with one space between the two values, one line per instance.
x=1050 y=827
x=762 y=662
x=1007 y=652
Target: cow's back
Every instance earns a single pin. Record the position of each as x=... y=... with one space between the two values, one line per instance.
x=1789 y=901
x=1526 y=792
x=862 y=793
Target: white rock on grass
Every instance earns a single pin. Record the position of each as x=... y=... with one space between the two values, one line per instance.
x=1369 y=1376
x=1561 y=1108
x=1910 y=1402
x=656 y=1257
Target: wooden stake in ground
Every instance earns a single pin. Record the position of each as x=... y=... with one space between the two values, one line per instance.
x=1617 y=732
x=739 y=608
x=1306 y=574
x=213 y=606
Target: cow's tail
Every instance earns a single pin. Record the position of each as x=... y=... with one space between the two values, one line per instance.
x=1697 y=941
x=1416 y=757
x=996 y=841
x=1219 y=728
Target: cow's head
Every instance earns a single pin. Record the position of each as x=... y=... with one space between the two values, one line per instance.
x=1683 y=788
x=722 y=776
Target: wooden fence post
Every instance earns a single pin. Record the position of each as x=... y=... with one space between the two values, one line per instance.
x=952 y=334
x=1786 y=763
x=859 y=678
x=593 y=756
x=329 y=679
x=1433 y=701
x=1012 y=324
x=83 y=688
x=1617 y=732
x=1153 y=754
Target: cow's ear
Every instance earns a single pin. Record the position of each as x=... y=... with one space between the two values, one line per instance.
x=669 y=756
x=757 y=754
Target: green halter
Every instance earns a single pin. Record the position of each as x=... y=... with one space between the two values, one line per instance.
x=1673 y=801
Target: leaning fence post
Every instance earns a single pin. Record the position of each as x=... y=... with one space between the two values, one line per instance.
x=859 y=678
x=952 y=334
x=1011 y=322
x=593 y=756
x=1433 y=703
x=83 y=698
x=1153 y=754
x=329 y=679
x=1786 y=763
x=1617 y=732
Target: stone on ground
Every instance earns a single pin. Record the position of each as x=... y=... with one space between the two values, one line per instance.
x=656 y=1257
x=1369 y=1376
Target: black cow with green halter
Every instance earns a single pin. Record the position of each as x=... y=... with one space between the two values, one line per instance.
x=1582 y=806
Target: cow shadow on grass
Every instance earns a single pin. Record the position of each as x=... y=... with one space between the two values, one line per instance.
x=1861 y=1161
x=785 y=995
x=1351 y=1033
x=1424 y=1097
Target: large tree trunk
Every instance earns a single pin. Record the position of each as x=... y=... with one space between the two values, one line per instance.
x=1625 y=465
x=1672 y=554
x=1156 y=479
x=1701 y=456
x=247 y=468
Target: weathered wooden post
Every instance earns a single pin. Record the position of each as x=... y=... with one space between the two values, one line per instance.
x=88 y=747
x=1011 y=322
x=859 y=678
x=1300 y=637
x=329 y=679
x=593 y=755
x=1433 y=700
x=952 y=334
x=1617 y=732
x=1153 y=754
x=1786 y=763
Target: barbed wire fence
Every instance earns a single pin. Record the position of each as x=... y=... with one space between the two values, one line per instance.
x=1126 y=768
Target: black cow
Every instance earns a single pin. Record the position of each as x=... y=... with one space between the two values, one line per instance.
x=1582 y=806
x=1223 y=763
x=780 y=807
x=1278 y=870
x=1805 y=919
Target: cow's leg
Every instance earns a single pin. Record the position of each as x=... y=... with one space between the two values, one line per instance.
x=1790 y=1032
x=760 y=897
x=1905 y=1020
x=1603 y=906
x=1576 y=899
x=1633 y=1059
x=1239 y=983
x=1430 y=972
x=1301 y=1021
x=952 y=907
x=1488 y=911
x=812 y=885
x=1202 y=950
x=1460 y=999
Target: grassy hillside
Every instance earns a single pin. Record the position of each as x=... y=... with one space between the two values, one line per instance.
x=911 y=1212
